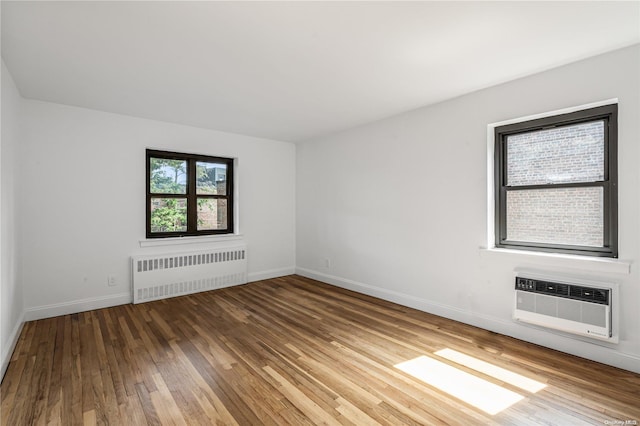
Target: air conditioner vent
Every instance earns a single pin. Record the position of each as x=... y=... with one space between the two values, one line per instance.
x=562 y=289
x=570 y=291
x=541 y=287
x=601 y=296
x=589 y=294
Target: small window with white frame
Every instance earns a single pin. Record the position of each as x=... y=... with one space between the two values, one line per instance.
x=556 y=183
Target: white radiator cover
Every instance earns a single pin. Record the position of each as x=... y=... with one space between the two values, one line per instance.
x=595 y=321
x=160 y=276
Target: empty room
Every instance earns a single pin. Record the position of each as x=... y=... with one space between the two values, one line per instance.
x=292 y=213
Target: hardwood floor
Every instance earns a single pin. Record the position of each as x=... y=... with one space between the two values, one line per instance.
x=295 y=351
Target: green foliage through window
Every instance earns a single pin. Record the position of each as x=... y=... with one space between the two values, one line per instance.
x=168 y=176
x=168 y=215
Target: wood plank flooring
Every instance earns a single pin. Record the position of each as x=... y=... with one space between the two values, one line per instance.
x=291 y=351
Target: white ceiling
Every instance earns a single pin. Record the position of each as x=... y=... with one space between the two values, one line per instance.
x=293 y=71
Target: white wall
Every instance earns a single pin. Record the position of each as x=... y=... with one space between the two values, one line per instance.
x=82 y=202
x=11 y=298
x=399 y=207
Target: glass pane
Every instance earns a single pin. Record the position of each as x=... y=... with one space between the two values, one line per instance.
x=212 y=214
x=571 y=216
x=168 y=176
x=168 y=214
x=211 y=178
x=561 y=155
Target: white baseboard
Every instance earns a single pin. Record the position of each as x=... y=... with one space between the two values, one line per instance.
x=75 y=306
x=7 y=351
x=539 y=336
x=390 y=295
x=271 y=273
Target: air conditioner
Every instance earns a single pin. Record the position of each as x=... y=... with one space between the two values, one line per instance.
x=572 y=307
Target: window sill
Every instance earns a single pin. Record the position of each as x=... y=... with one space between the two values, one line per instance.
x=584 y=263
x=173 y=241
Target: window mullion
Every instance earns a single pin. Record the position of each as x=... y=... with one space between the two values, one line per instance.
x=229 y=195
x=555 y=185
x=192 y=208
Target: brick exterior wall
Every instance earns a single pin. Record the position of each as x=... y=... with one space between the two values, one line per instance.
x=556 y=215
x=214 y=215
x=566 y=154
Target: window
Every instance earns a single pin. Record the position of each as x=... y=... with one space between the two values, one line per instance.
x=556 y=183
x=188 y=194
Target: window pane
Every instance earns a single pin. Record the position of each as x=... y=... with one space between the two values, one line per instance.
x=564 y=154
x=168 y=176
x=168 y=214
x=212 y=214
x=556 y=216
x=211 y=178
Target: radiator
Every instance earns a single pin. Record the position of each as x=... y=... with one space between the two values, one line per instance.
x=161 y=276
x=571 y=307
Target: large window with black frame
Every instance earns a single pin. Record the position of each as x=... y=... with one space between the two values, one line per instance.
x=188 y=194
x=556 y=183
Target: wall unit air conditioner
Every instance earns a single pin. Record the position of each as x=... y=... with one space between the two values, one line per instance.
x=572 y=307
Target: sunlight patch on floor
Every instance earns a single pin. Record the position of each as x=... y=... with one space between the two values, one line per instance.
x=473 y=390
x=494 y=371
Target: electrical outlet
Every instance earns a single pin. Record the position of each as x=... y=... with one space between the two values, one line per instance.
x=111 y=280
x=327 y=263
